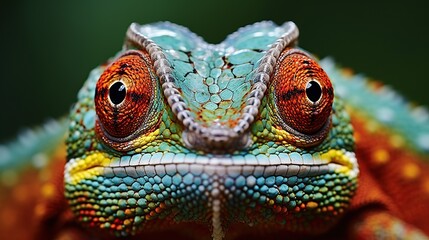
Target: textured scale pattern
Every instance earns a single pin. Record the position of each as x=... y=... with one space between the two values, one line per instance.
x=249 y=138
x=213 y=79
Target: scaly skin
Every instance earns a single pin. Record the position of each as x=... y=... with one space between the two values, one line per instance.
x=244 y=139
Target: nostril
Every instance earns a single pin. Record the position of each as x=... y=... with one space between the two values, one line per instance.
x=216 y=139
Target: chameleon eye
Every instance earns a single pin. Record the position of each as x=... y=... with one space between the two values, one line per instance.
x=123 y=95
x=303 y=92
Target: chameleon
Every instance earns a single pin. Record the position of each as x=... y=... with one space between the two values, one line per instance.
x=249 y=138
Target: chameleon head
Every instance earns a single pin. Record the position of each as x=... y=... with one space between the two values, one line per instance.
x=177 y=130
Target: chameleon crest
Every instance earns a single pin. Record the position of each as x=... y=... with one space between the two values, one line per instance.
x=174 y=130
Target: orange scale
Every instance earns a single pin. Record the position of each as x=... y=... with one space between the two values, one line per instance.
x=277 y=209
x=128 y=212
x=284 y=210
x=158 y=210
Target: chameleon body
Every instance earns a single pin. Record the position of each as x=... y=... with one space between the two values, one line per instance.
x=247 y=138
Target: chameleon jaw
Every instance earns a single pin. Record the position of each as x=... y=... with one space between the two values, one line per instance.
x=213 y=181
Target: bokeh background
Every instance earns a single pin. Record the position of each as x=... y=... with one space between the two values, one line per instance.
x=49 y=47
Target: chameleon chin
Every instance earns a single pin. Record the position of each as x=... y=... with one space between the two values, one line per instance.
x=252 y=137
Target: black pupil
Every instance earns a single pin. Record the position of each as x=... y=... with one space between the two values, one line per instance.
x=117 y=92
x=313 y=91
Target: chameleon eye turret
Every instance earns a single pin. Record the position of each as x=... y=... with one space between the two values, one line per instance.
x=123 y=96
x=303 y=93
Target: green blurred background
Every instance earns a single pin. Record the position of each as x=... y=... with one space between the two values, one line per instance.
x=49 y=47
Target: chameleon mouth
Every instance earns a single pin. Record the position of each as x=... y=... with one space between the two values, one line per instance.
x=213 y=182
x=160 y=164
x=283 y=165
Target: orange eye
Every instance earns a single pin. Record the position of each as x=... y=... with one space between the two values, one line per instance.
x=124 y=94
x=303 y=92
